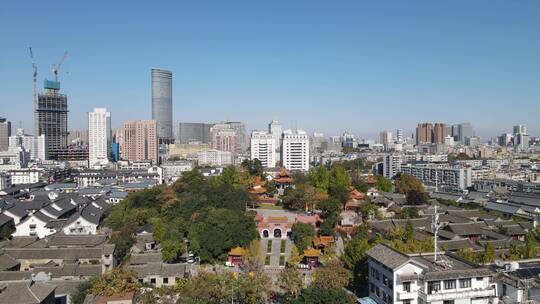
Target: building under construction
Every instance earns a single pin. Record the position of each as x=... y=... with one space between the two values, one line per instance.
x=51 y=116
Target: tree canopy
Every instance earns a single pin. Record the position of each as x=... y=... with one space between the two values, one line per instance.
x=302 y=235
x=406 y=183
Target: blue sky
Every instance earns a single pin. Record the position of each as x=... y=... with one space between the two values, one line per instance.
x=323 y=66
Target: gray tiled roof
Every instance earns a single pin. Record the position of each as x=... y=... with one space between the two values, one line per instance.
x=387 y=256
x=26 y=292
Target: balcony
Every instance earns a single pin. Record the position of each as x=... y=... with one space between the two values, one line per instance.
x=456 y=294
x=406 y=295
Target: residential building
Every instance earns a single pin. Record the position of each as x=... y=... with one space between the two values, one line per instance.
x=241 y=140
x=295 y=150
x=439 y=133
x=188 y=151
x=396 y=277
x=214 y=158
x=442 y=177
x=162 y=104
x=194 y=132
x=399 y=135
x=51 y=116
x=391 y=164
x=424 y=133
x=5 y=180
x=263 y=148
x=25 y=176
x=78 y=137
x=385 y=137
x=99 y=137
x=13 y=159
x=5 y=133
x=140 y=140
x=36 y=146
x=224 y=138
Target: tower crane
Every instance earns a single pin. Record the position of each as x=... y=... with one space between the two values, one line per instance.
x=34 y=67
x=56 y=67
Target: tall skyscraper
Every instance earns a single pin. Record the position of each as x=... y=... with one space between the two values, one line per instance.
x=520 y=129
x=5 y=133
x=295 y=150
x=263 y=148
x=464 y=131
x=194 y=132
x=439 y=133
x=51 y=116
x=162 y=104
x=275 y=128
x=424 y=133
x=99 y=137
x=140 y=141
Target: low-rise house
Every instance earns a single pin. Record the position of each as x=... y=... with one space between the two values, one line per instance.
x=395 y=277
x=27 y=292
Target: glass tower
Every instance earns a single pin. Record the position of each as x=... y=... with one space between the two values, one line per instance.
x=162 y=104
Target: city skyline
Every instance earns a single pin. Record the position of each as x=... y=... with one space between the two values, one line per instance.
x=361 y=68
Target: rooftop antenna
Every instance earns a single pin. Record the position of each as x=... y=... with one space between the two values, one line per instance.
x=56 y=67
x=435 y=228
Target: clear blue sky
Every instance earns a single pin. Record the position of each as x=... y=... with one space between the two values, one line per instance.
x=319 y=65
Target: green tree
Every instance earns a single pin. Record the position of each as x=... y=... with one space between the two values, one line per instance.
x=290 y=281
x=303 y=197
x=295 y=257
x=416 y=197
x=118 y=280
x=355 y=260
x=253 y=167
x=80 y=293
x=320 y=178
x=383 y=184
x=530 y=245
x=331 y=276
x=409 y=231
x=329 y=207
x=302 y=235
x=339 y=184
x=406 y=183
x=314 y=295
x=489 y=254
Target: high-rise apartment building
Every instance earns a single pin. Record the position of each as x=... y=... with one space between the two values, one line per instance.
x=162 y=104
x=224 y=138
x=241 y=140
x=5 y=133
x=189 y=132
x=385 y=137
x=35 y=145
x=424 y=133
x=51 y=116
x=391 y=164
x=399 y=135
x=439 y=133
x=140 y=141
x=99 y=137
x=295 y=150
x=263 y=148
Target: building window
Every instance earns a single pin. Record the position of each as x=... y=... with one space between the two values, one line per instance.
x=153 y=281
x=165 y=280
x=450 y=284
x=407 y=286
x=464 y=283
x=434 y=286
x=406 y=301
x=479 y=279
x=448 y=302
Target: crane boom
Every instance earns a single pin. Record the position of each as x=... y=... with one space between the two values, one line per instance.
x=56 y=67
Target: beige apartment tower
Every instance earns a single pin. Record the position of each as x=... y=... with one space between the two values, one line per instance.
x=140 y=140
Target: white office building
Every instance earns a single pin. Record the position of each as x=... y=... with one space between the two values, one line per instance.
x=442 y=177
x=391 y=164
x=263 y=148
x=214 y=158
x=385 y=137
x=99 y=137
x=295 y=150
x=36 y=146
x=396 y=277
